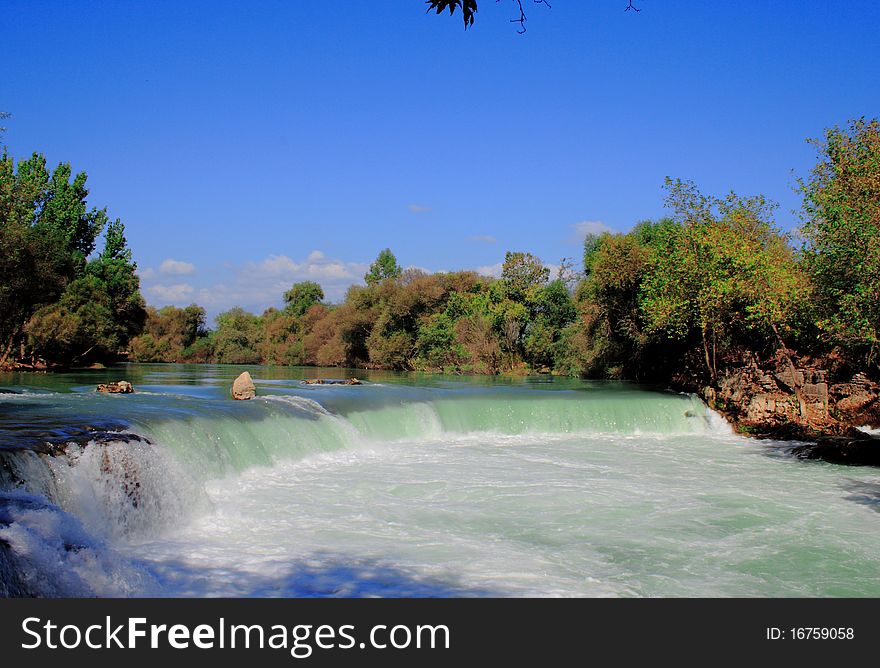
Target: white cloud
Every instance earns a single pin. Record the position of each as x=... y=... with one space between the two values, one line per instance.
x=417 y=208
x=483 y=238
x=274 y=265
x=172 y=267
x=147 y=273
x=258 y=285
x=171 y=294
x=582 y=229
x=493 y=270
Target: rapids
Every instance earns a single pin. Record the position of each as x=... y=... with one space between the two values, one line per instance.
x=410 y=485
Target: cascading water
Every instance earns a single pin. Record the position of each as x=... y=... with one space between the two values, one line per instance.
x=407 y=486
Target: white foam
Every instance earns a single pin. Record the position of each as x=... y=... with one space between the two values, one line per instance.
x=54 y=555
x=303 y=403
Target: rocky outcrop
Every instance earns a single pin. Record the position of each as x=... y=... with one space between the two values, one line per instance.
x=119 y=387
x=802 y=404
x=243 y=387
x=856 y=397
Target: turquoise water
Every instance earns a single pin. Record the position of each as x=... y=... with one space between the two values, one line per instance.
x=411 y=485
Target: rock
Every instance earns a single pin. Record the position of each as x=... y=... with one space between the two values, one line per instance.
x=789 y=379
x=808 y=404
x=119 y=387
x=817 y=391
x=854 y=398
x=857 y=450
x=323 y=381
x=243 y=387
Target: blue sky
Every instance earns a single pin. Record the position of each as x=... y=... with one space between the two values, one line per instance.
x=250 y=145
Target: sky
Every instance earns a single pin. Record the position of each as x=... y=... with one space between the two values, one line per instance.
x=247 y=146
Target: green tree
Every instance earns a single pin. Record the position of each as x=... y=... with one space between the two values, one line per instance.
x=98 y=313
x=384 y=266
x=237 y=338
x=436 y=344
x=592 y=244
x=79 y=327
x=303 y=296
x=46 y=234
x=34 y=270
x=554 y=311
x=522 y=275
x=610 y=340
x=115 y=268
x=841 y=223
x=723 y=270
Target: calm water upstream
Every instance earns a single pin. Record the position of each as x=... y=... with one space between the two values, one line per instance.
x=410 y=485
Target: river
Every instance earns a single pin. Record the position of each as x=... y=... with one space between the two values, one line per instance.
x=410 y=485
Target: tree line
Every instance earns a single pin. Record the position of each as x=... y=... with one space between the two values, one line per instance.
x=715 y=284
x=63 y=301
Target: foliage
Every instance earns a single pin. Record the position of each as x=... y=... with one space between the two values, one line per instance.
x=383 y=267
x=468 y=8
x=98 y=313
x=712 y=284
x=55 y=303
x=841 y=223
x=302 y=296
x=611 y=340
x=169 y=335
x=238 y=337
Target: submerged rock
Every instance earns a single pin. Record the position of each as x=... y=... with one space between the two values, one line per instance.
x=119 y=387
x=243 y=388
x=322 y=381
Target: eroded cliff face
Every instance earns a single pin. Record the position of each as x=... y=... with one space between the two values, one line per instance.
x=803 y=403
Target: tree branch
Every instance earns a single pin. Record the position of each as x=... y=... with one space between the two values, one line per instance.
x=469 y=9
x=522 y=14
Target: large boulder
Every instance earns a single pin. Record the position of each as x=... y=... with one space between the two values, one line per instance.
x=243 y=387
